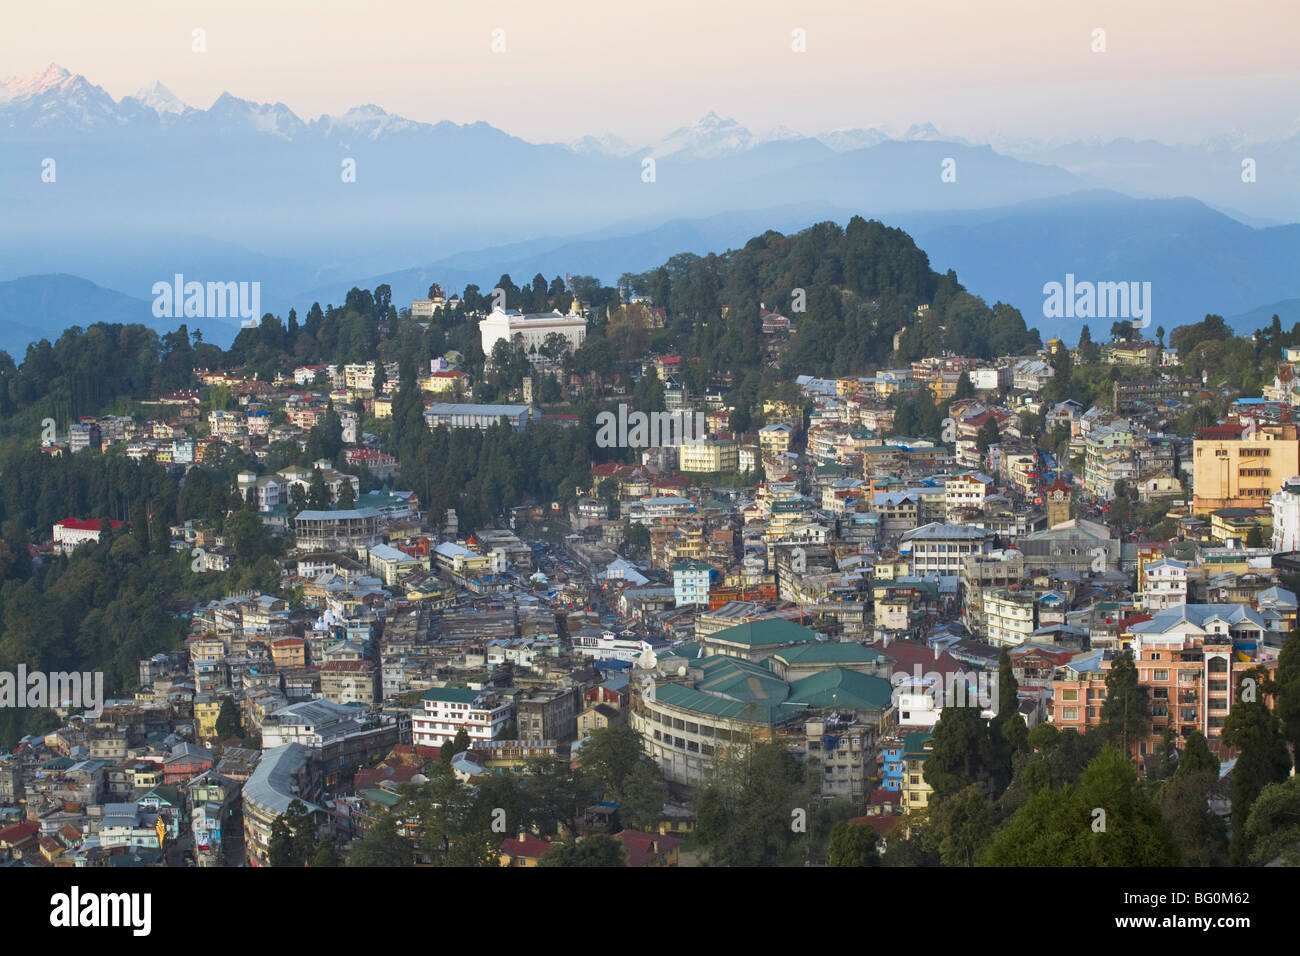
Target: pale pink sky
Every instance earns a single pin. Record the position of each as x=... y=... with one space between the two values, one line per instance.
x=1176 y=70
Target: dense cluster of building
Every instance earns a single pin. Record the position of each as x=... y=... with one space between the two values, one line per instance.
x=833 y=598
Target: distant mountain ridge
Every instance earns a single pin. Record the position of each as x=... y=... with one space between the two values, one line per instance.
x=33 y=307
x=144 y=187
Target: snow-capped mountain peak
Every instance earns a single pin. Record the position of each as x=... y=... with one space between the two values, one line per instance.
x=160 y=99
x=22 y=87
x=605 y=144
x=846 y=140
x=57 y=98
x=711 y=137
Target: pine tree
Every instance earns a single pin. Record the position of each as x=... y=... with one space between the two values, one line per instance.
x=318 y=498
x=1126 y=712
x=1008 y=732
x=1263 y=757
x=959 y=754
x=1285 y=688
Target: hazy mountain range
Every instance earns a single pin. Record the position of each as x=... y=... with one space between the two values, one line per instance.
x=148 y=186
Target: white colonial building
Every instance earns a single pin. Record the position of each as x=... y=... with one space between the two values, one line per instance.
x=532 y=328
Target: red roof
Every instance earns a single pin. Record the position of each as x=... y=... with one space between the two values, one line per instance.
x=643 y=847
x=345 y=666
x=882 y=823
x=530 y=847
x=908 y=654
x=84 y=524
x=19 y=832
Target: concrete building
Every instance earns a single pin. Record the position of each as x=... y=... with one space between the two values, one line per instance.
x=285 y=774
x=709 y=456
x=1009 y=616
x=1285 y=504
x=691 y=583
x=1235 y=466
x=444 y=711
x=466 y=415
x=943 y=548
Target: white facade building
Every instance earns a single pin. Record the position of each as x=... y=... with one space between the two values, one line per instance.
x=1286 y=516
x=445 y=711
x=1165 y=584
x=533 y=328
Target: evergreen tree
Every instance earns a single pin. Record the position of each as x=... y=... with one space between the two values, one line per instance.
x=1008 y=732
x=959 y=753
x=962 y=823
x=1108 y=819
x=1263 y=759
x=228 y=723
x=1273 y=827
x=1196 y=757
x=326 y=855
x=1285 y=688
x=462 y=742
x=318 y=497
x=1200 y=833
x=382 y=846
x=293 y=837
x=987 y=436
x=596 y=850
x=347 y=496
x=1126 y=712
x=853 y=845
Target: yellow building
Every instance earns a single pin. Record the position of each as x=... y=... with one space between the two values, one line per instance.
x=708 y=456
x=1242 y=467
x=916 y=792
x=205 y=715
x=775 y=439
x=1228 y=523
x=148 y=775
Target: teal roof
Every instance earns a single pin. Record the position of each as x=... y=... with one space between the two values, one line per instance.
x=839 y=687
x=826 y=652
x=679 y=695
x=774 y=630
x=741 y=679
x=386 y=797
x=914 y=745
x=691 y=566
x=743 y=690
x=452 y=695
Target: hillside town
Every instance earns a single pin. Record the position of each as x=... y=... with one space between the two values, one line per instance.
x=809 y=575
